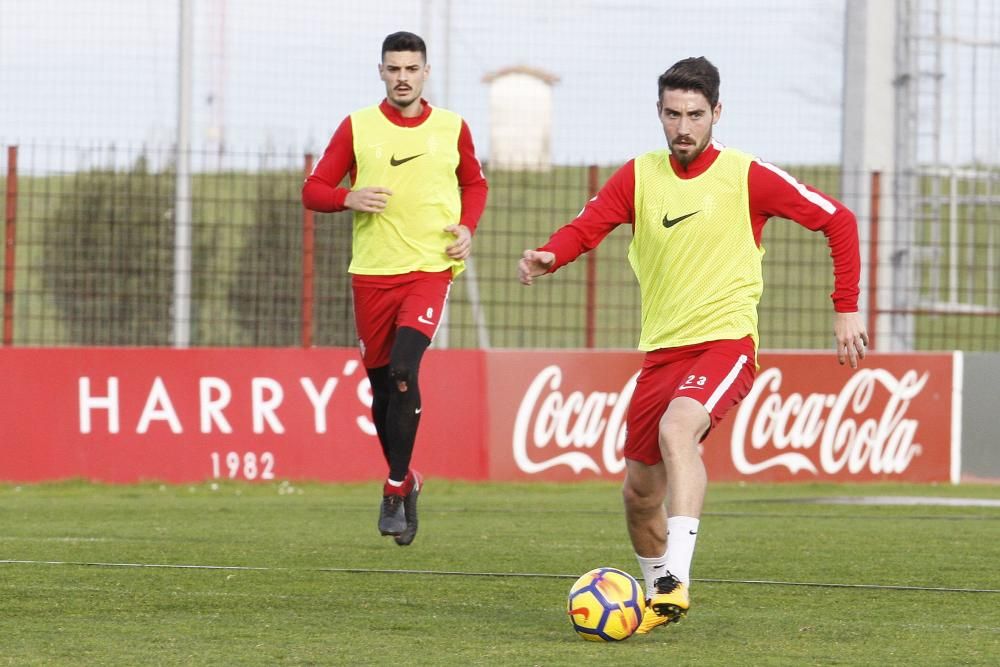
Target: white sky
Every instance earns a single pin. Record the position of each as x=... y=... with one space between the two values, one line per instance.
x=86 y=72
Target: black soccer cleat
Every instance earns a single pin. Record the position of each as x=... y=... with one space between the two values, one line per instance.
x=405 y=538
x=392 y=517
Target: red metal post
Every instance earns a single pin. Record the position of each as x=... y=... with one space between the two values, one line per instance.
x=308 y=237
x=9 y=247
x=591 y=312
x=876 y=197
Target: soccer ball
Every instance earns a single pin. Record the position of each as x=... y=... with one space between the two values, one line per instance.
x=605 y=605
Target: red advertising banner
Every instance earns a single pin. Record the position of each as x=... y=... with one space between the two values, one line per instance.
x=809 y=419
x=124 y=415
x=562 y=417
x=559 y=415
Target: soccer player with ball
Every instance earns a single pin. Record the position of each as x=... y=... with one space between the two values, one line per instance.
x=697 y=211
x=417 y=192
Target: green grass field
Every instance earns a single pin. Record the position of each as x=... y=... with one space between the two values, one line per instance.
x=289 y=573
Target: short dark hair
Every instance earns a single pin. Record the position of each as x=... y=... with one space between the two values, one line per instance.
x=404 y=41
x=692 y=74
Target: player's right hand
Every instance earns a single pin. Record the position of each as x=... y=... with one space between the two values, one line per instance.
x=534 y=263
x=370 y=199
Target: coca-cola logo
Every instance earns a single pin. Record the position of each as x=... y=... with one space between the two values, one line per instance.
x=829 y=433
x=585 y=431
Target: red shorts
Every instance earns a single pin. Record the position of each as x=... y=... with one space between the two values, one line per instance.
x=717 y=374
x=382 y=304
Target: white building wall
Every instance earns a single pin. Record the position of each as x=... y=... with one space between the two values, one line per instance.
x=520 y=123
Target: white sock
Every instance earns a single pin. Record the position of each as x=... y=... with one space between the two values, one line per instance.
x=652 y=569
x=682 y=532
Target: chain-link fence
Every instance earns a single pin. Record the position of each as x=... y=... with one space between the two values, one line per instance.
x=91 y=189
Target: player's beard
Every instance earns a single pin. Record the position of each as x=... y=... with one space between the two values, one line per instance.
x=688 y=157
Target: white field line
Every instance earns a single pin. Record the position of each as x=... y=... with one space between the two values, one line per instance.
x=458 y=573
x=901 y=501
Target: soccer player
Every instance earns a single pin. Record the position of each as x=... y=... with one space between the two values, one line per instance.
x=417 y=192
x=697 y=211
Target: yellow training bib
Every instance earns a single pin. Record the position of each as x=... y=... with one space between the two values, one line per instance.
x=693 y=252
x=418 y=164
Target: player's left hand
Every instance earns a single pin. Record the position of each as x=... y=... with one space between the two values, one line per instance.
x=852 y=338
x=462 y=247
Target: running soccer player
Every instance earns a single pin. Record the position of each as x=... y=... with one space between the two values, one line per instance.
x=697 y=212
x=417 y=192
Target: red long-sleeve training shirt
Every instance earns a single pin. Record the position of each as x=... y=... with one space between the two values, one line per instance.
x=322 y=190
x=773 y=193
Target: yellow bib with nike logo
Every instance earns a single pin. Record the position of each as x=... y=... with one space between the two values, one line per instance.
x=418 y=164
x=693 y=252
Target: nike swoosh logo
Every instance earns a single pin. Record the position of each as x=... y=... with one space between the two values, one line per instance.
x=395 y=163
x=668 y=223
x=423 y=320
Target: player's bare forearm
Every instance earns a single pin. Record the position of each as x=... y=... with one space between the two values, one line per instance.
x=852 y=338
x=534 y=263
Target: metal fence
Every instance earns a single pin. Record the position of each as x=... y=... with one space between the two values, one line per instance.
x=90 y=260
x=92 y=97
